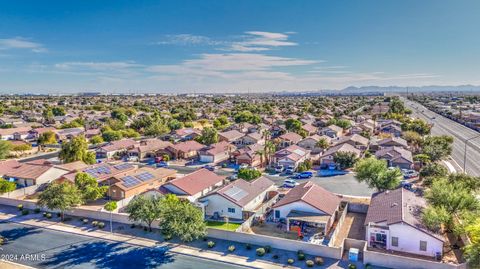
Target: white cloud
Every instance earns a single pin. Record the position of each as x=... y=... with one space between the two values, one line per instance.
x=97 y=65
x=21 y=43
x=261 y=41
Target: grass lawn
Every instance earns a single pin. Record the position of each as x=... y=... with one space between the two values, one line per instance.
x=222 y=225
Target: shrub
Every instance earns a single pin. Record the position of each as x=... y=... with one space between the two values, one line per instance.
x=210 y=244
x=248 y=246
x=85 y=221
x=2 y=240
x=290 y=261
x=94 y=223
x=231 y=248
x=44 y=214
x=368 y=266
x=49 y=215
x=25 y=212
x=319 y=260
x=167 y=237
x=101 y=225
x=20 y=207
x=309 y=263
x=267 y=249
x=352 y=266
x=301 y=256
x=36 y=210
x=260 y=252
x=275 y=256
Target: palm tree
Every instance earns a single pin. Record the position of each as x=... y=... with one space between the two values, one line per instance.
x=260 y=153
x=269 y=150
x=322 y=143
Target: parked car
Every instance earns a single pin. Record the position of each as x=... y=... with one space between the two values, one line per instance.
x=209 y=167
x=131 y=159
x=290 y=170
x=279 y=168
x=306 y=174
x=407 y=173
x=233 y=177
x=162 y=164
x=290 y=183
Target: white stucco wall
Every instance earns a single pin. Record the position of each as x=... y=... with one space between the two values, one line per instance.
x=217 y=203
x=409 y=240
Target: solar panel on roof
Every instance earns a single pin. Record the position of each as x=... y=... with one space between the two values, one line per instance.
x=123 y=166
x=236 y=193
x=130 y=181
x=145 y=176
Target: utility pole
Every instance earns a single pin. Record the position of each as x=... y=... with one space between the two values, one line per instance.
x=465 y=152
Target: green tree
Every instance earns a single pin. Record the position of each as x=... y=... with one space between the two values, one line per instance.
x=249 y=174
x=209 y=136
x=119 y=114
x=377 y=175
x=396 y=106
x=453 y=196
x=417 y=125
x=156 y=129
x=48 y=115
x=472 y=251
x=97 y=139
x=144 y=209
x=111 y=135
x=5 y=147
x=60 y=196
x=110 y=206
x=345 y=160
x=175 y=124
x=431 y=171
x=435 y=217
x=322 y=143
x=88 y=187
x=58 y=111
x=47 y=138
x=437 y=147
x=293 y=125
x=181 y=218
x=6 y=186
x=76 y=150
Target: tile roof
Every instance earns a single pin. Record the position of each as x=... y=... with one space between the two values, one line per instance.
x=393 y=153
x=313 y=195
x=399 y=205
x=291 y=136
x=241 y=192
x=231 y=135
x=197 y=181
x=119 y=145
x=345 y=147
x=188 y=146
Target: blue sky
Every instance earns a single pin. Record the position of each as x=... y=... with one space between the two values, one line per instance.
x=236 y=46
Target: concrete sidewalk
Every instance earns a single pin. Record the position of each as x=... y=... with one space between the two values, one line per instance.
x=138 y=241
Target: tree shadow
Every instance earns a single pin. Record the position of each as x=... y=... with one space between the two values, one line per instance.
x=104 y=254
x=16 y=233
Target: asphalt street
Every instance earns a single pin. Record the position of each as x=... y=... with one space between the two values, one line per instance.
x=43 y=248
x=460 y=133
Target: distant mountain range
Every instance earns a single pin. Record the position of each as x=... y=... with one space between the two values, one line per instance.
x=391 y=89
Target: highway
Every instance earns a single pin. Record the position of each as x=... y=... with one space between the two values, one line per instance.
x=460 y=133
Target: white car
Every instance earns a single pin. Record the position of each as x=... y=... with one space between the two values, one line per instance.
x=290 y=183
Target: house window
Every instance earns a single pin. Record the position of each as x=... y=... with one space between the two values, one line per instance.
x=394 y=241
x=423 y=245
x=231 y=210
x=277 y=214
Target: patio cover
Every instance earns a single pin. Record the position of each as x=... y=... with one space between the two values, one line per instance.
x=308 y=216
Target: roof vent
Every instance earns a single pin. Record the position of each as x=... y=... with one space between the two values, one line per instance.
x=394 y=204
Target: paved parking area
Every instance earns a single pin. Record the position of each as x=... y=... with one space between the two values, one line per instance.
x=43 y=248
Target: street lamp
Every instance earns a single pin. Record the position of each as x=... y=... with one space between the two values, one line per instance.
x=465 y=152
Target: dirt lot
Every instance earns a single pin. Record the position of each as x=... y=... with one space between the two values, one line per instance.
x=352 y=227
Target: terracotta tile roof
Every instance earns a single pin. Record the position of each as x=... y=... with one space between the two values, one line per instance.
x=342 y=148
x=119 y=145
x=8 y=165
x=217 y=148
x=11 y=131
x=313 y=195
x=188 y=146
x=291 y=136
x=231 y=135
x=197 y=181
x=241 y=192
x=28 y=170
x=393 y=153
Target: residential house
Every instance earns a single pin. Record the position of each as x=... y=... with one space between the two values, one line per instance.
x=251 y=139
x=394 y=223
x=396 y=157
x=332 y=131
x=309 y=128
x=216 y=153
x=138 y=181
x=291 y=156
x=232 y=136
x=17 y=133
x=289 y=139
x=118 y=147
x=250 y=155
x=328 y=156
x=150 y=148
x=69 y=133
x=308 y=207
x=393 y=142
x=185 y=150
x=186 y=134
x=34 y=173
x=310 y=143
x=355 y=140
x=195 y=184
x=239 y=199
